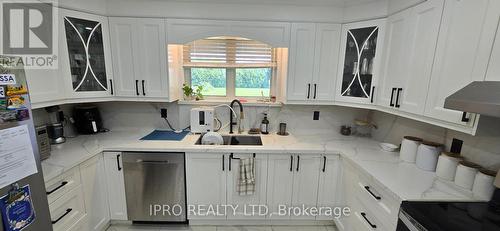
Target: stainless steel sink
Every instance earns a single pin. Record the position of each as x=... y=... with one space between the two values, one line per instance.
x=238 y=140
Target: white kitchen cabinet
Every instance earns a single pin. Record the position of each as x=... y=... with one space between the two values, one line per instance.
x=456 y=57
x=86 y=66
x=115 y=185
x=140 y=58
x=206 y=177
x=491 y=30
x=95 y=193
x=411 y=42
x=67 y=210
x=301 y=64
x=313 y=63
x=328 y=187
x=279 y=184
x=246 y=201
x=305 y=183
x=360 y=61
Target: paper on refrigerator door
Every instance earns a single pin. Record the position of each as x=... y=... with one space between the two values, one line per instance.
x=17 y=159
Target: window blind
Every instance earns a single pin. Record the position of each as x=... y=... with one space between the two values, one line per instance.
x=228 y=52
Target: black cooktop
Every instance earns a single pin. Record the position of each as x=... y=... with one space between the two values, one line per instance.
x=454 y=216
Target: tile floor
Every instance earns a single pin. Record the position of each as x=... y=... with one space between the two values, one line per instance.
x=219 y=228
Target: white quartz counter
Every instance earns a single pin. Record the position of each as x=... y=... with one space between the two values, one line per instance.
x=405 y=180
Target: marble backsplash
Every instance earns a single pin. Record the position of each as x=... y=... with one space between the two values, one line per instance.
x=483 y=148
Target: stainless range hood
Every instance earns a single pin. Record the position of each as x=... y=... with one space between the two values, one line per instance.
x=481 y=97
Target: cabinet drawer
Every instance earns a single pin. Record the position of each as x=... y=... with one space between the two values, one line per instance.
x=365 y=219
x=60 y=185
x=68 y=210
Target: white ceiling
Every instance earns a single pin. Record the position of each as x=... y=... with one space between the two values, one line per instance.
x=286 y=2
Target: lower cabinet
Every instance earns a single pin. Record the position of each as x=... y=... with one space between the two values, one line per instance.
x=95 y=193
x=372 y=208
x=282 y=182
x=68 y=210
x=115 y=185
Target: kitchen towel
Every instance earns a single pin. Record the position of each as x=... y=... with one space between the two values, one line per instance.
x=165 y=135
x=246 y=181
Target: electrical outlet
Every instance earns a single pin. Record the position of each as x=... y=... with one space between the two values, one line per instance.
x=456 y=146
x=163 y=112
x=316 y=115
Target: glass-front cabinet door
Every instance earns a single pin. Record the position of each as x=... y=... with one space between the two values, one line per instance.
x=361 y=46
x=87 y=70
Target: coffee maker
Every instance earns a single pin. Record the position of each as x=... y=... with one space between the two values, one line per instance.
x=55 y=128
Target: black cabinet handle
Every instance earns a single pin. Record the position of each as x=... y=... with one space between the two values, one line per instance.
x=397 y=97
x=315 y=88
x=308 y=90
x=324 y=163
x=392 y=97
x=62 y=216
x=366 y=219
x=373 y=194
x=223 y=168
x=230 y=160
x=111 y=86
x=137 y=87
x=291 y=163
x=143 y=91
x=298 y=163
x=464 y=117
x=118 y=162
x=57 y=188
x=373 y=93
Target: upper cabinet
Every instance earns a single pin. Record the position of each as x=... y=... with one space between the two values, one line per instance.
x=458 y=60
x=313 y=61
x=86 y=63
x=140 y=58
x=410 y=47
x=361 y=54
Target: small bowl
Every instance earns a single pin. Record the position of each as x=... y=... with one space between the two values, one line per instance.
x=388 y=147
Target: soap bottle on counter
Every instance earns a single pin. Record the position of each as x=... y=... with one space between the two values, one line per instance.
x=264 y=126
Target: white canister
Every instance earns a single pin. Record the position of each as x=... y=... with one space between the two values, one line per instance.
x=483 y=184
x=409 y=147
x=466 y=173
x=427 y=155
x=447 y=165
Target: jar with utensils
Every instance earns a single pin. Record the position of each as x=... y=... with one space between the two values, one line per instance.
x=427 y=155
x=466 y=173
x=483 y=187
x=447 y=165
x=409 y=148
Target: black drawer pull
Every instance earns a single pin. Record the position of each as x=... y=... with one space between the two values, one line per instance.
x=392 y=97
x=398 y=94
x=230 y=158
x=373 y=93
x=223 y=168
x=137 y=87
x=324 y=163
x=62 y=216
x=143 y=91
x=315 y=88
x=57 y=188
x=464 y=117
x=118 y=162
x=298 y=163
x=291 y=163
x=366 y=219
x=308 y=90
x=111 y=86
x=373 y=194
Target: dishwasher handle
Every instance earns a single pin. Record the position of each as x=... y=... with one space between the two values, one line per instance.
x=152 y=161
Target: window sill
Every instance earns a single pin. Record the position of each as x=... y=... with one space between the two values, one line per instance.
x=214 y=102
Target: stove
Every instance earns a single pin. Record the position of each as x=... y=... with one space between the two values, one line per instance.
x=450 y=216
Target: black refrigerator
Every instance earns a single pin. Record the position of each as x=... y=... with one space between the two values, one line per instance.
x=23 y=199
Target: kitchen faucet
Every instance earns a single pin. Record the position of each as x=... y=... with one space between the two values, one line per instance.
x=231 y=123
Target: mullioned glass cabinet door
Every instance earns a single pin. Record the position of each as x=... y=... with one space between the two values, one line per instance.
x=361 y=46
x=86 y=55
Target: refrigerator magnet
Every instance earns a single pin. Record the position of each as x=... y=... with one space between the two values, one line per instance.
x=17 y=208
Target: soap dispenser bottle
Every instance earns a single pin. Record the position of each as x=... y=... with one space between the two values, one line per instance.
x=264 y=126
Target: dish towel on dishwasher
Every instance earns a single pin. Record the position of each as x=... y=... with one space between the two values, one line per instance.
x=246 y=181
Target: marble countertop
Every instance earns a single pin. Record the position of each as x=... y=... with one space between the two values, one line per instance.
x=404 y=180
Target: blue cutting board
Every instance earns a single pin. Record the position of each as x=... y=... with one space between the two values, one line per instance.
x=165 y=135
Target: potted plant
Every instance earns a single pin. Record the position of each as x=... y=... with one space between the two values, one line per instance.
x=198 y=94
x=188 y=92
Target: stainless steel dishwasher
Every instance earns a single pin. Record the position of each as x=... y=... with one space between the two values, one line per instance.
x=155 y=186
